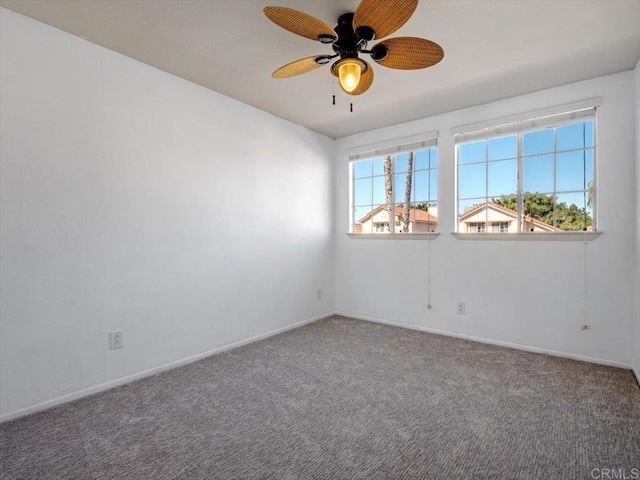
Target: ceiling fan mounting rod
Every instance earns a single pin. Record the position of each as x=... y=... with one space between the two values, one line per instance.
x=348 y=44
x=351 y=43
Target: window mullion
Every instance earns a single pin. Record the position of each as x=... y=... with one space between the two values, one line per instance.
x=594 y=203
x=457 y=188
x=520 y=180
x=486 y=181
x=555 y=175
x=392 y=213
x=584 y=178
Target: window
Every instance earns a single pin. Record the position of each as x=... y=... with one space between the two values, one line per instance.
x=476 y=227
x=381 y=227
x=533 y=178
x=500 y=227
x=395 y=193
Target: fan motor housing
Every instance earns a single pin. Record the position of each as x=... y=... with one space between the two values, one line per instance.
x=348 y=44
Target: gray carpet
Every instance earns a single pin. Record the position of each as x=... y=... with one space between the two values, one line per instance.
x=343 y=399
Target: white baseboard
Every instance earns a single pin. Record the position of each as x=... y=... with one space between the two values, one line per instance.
x=147 y=373
x=489 y=341
x=637 y=374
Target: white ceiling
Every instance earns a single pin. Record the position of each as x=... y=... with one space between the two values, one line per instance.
x=494 y=49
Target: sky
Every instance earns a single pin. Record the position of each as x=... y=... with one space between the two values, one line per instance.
x=497 y=157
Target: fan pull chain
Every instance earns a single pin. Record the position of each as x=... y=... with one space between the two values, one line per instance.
x=333 y=90
x=351 y=107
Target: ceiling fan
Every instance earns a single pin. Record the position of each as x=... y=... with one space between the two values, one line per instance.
x=372 y=20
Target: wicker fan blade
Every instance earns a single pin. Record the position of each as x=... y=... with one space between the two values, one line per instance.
x=411 y=53
x=299 y=23
x=384 y=16
x=298 y=67
x=365 y=81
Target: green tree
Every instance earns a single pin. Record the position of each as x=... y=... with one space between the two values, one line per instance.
x=541 y=207
x=424 y=206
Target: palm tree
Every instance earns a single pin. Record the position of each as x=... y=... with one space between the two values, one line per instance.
x=590 y=194
x=388 y=187
x=407 y=193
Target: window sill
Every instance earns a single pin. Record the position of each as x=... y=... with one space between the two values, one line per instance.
x=394 y=236
x=530 y=237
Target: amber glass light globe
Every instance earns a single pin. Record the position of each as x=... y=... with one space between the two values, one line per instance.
x=349 y=72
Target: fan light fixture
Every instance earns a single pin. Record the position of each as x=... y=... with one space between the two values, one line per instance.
x=349 y=73
x=373 y=20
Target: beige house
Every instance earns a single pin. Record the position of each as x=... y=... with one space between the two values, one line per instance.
x=377 y=221
x=490 y=217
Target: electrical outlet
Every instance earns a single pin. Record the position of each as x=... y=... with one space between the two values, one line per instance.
x=319 y=294
x=115 y=340
x=461 y=308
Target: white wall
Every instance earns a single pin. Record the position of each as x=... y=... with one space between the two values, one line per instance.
x=636 y=346
x=524 y=293
x=135 y=200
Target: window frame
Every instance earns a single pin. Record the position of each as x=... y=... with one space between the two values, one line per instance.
x=393 y=148
x=519 y=129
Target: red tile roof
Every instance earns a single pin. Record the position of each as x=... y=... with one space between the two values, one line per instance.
x=415 y=214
